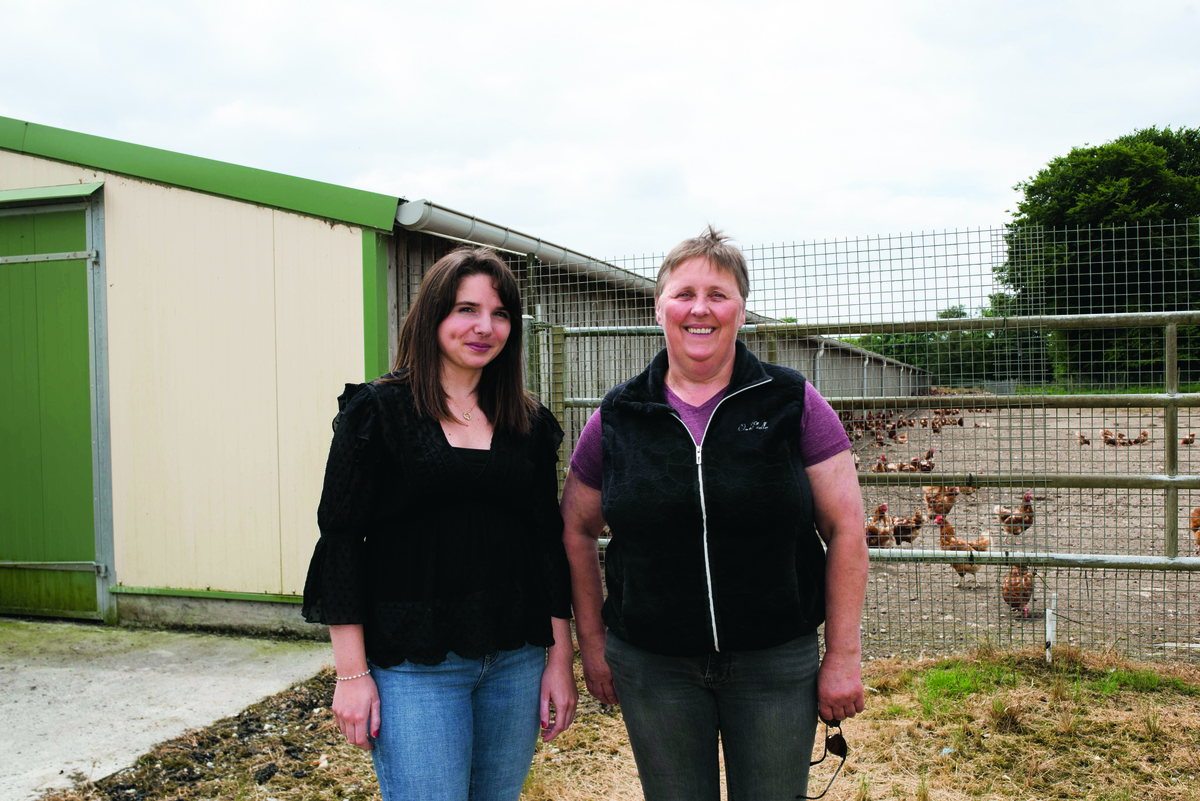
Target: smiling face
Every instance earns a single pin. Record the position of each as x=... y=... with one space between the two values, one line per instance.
x=477 y=327
x=700 y=310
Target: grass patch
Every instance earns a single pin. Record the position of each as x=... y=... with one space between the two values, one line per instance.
x=995 y=725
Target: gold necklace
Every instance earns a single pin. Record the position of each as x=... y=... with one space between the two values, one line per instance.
x=465 y=415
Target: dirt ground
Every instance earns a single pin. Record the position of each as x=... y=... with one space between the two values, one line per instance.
x=990 y=725
x=915 y=608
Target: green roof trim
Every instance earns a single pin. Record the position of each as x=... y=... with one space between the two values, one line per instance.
x=314 y=198
x=48 y=193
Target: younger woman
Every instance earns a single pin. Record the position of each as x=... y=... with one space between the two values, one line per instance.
x=440 y=568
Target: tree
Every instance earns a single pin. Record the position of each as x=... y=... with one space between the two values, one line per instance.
x=1109 y=229
x=966 y=358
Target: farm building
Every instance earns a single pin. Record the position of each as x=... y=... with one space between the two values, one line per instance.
x=176 y=331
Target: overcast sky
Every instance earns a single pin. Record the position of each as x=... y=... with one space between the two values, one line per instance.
x=620 y=128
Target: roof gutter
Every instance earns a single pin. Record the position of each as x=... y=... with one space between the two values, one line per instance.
x=430 y=218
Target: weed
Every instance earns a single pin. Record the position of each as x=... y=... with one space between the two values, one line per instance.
x=1150 y=719
x=1066 y=656
x=864 y=789
x=985 y=650
x=953 y=681
x=1005 y=714
x=1067 y=721
x=1140 y=680
x=1058 y=690
x=922 y=790
x=1106 y=685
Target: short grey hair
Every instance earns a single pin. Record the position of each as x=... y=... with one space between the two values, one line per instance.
x=713 y=246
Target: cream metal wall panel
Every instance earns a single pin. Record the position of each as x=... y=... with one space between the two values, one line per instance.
x=19 y=171
x=191 y=304
x=318 y=331
x=232 y=329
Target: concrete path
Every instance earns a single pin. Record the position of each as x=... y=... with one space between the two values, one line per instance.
x=84 y=699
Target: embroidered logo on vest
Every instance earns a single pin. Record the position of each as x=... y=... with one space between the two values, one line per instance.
x=753 y=425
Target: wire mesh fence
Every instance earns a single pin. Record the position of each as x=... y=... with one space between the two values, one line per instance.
x=1034 y=388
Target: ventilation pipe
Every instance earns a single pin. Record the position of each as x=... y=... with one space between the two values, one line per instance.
x=430 y=218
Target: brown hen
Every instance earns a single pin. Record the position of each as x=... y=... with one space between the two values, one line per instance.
x=949 y=542
x=879 y=531
x=1017 y=589
x=1015 y=521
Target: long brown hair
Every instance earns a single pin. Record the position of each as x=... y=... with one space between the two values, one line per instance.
x=501 y=391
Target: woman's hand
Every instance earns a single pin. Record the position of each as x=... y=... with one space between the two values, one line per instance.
x=558 y=691
x=558 y=682
x=355 y=702
x=356 y=707
x=839 y=687
x=596 y=673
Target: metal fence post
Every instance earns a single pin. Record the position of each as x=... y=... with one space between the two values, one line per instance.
x=529 y=350
x=1171 y=423
x=556 y=395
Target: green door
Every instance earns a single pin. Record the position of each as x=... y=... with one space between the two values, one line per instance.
x=47 y=519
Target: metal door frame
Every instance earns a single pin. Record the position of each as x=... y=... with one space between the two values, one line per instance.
x=92 y=203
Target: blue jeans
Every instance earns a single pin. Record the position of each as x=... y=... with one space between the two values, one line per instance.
x=463 y=730
x=762 y=704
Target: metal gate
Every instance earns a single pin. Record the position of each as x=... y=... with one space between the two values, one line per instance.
x=917 y=337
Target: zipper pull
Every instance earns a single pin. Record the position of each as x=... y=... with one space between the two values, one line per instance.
x=697 y=454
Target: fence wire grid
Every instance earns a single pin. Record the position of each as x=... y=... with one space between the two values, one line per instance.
x=972 y=370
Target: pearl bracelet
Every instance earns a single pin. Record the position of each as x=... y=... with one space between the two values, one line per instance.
x=355 y=676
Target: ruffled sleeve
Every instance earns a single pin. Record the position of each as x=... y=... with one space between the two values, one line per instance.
x=335 y=591
x=556 y=572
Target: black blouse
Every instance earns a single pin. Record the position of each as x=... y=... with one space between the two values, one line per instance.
x=430 y=553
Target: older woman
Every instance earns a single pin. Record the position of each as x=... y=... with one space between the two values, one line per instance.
x=440 y=568
x=719 y=477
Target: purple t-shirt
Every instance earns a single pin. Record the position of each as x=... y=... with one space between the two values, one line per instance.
x=823 y=434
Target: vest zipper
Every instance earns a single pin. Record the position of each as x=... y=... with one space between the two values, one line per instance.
x=712 y=609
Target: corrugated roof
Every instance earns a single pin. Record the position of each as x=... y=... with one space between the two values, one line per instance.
x=287 y=192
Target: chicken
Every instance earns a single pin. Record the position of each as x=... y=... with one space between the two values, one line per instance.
x=880 y=464
x=879 y=531
x=1196 y=528
x=1017 y=589
x=947 y=541
x=1122 y=439
x=940 y=500
x=1189 y=439
x=1141 y=438
x=1082 y=439
x=926 y=465
x=906 y=529
x=1108 y=437
x=1015 y=521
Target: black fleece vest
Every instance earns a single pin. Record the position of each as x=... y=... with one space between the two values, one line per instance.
x=738 y=567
